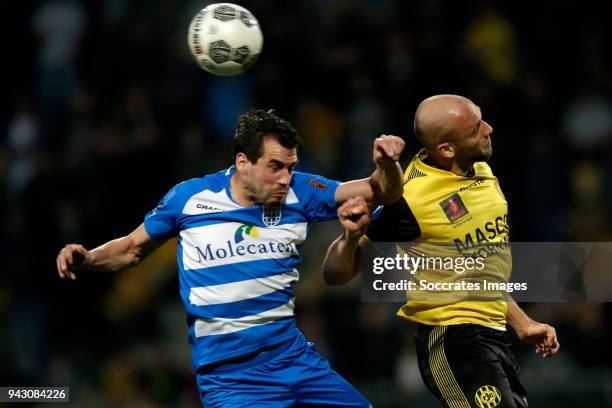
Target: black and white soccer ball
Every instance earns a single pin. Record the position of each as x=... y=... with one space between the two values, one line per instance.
x=225 y=39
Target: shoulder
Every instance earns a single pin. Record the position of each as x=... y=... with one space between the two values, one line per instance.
x=415 y=170
x=303 y=183
x=181 y=192
x=483 y=168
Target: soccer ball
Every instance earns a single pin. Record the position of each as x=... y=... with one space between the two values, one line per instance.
x=225 y=39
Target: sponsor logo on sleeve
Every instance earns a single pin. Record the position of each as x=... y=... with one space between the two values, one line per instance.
x=318 y=184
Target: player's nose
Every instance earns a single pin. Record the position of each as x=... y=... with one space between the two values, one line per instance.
x=285 y=178
x=488 y=128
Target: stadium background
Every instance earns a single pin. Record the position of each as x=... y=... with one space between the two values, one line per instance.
x=103 y=110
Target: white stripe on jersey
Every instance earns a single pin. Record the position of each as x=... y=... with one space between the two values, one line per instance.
x=241 y=290
x=206 y=202
x=210 y=327
x=215 y=245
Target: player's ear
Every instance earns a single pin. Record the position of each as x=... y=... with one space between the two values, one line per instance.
x=241 y=161
x=446 y=150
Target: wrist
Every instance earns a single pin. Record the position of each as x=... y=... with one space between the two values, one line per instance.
x=352 y=237
x=387 y=164
x=92 y=259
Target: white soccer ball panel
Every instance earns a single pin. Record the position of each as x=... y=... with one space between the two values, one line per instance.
x=225 y=39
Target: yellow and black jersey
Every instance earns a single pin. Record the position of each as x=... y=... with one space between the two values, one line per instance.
x=465 y=212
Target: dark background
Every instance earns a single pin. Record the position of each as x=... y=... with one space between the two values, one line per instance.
x=103 y=111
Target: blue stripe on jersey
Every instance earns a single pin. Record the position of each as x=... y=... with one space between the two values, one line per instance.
x=210 y=349
x=291 y=214
x=243 y=308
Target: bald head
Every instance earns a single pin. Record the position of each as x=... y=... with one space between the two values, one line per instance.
x=453 y=132
x=440 y=118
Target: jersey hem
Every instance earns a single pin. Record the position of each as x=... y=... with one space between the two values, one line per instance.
x=239 y=353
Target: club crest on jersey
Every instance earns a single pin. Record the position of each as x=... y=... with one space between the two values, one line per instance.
x=271 y=216
x=244 y=230
x=487 y=396
x=453 y=207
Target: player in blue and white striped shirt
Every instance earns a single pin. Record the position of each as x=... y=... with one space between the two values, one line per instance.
x=239 y=232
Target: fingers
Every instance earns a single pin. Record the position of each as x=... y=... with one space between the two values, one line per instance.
x=354 y=206
x=388 y=147
x=65 y=261
x=354 y=216
x=551 y=336
x=551 y=342
x=549 y=345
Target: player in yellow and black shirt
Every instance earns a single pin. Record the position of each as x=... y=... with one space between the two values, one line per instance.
x=451 y=197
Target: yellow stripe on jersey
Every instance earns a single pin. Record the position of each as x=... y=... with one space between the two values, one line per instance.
x=442 y=372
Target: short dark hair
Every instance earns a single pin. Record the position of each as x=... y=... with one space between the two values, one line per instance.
x=256 y=124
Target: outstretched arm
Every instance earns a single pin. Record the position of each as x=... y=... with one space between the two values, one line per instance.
x=112 y=256
x=342 y=258
x=542 y=335
x=384 y=186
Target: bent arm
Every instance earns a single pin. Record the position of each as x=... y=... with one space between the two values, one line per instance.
x=111 y=256
x=342 y=259
x=123 y=252
x=385 y=184
x=544 y=336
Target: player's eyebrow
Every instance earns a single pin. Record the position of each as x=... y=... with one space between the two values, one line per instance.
x=283 y=164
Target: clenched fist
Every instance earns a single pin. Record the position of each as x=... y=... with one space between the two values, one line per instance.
x=354 y=216
x=387 y=149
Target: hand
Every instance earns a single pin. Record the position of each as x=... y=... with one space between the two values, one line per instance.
x=387 y=149
x=354 y=216
x=543 y=336
x=71 y=258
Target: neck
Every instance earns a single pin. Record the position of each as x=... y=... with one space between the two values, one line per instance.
x=460 y=169
x=239 y=192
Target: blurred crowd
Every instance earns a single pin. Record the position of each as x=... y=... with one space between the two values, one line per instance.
x=104 y=111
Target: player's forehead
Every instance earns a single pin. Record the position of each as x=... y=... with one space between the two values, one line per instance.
x=273 y=150
x=474 y=111
x=469 y=117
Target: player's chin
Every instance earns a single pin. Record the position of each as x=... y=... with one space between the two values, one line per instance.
x=275 y=199
x=486 y=154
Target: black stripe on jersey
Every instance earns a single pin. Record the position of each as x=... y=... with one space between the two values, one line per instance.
x=414 y=173
x=396 y=223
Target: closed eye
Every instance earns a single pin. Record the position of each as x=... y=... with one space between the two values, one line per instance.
x=277 y=165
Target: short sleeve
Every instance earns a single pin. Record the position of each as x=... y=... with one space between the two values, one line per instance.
x=317 y=195
x=162 y=221
x=394 y=223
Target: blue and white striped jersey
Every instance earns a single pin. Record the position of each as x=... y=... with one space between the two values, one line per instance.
x=238 y=265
